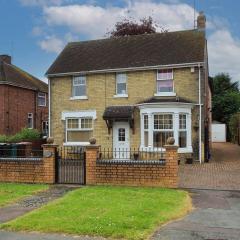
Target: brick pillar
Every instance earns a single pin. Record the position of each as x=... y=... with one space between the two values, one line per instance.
x=92 y=152
x=172 y=164
x=49 y=159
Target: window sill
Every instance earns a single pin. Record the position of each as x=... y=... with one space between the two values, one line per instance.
x=79 y=98
x=76 y=143
x=120 y=96
x=166 y=94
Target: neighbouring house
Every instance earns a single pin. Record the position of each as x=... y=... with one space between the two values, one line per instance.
x=23 y=100
x=134 y=92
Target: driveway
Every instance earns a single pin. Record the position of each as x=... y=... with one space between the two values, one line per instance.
x=216 y=217
x=221 y=173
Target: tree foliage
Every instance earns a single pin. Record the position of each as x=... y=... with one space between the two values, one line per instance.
x=226 y=98
x=129 y=27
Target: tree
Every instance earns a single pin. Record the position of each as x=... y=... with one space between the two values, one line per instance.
x=129 y=27
x=226 y=98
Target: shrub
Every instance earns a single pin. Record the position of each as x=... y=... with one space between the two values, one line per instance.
x=28 y=134
x=24 y=135
x=3 y=138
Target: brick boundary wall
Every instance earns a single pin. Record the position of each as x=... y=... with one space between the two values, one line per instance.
x=30 y=170
x=132 y=173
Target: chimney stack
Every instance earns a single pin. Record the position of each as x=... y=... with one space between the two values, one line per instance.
x=201 y=21
x=5 y=58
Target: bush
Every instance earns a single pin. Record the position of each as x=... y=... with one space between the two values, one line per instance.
x=24 y=135
x=3 y=138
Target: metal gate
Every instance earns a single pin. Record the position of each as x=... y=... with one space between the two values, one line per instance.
x=70 y=165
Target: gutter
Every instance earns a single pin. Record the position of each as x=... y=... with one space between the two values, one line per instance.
x=49 y=109
x=200 y=113
x=129 y=69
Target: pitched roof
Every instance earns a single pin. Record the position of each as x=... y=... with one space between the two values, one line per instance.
x=132 y=51
x=10 y=74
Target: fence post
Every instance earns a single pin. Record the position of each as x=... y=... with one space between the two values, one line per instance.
x=92 y=152
x=49 y=162
x=172 y=162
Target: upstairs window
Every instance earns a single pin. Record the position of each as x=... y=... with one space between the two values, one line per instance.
x=79 y=86
x=79 y=129
x=121 y=83
x=42 y=99
x=165 y=81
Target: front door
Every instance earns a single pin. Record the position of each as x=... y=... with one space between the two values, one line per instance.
x=121 y=148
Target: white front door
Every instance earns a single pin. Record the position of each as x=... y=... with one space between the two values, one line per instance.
x=121 y=148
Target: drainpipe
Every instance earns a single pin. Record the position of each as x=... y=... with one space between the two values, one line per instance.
x=49 y=109
x=200 y=113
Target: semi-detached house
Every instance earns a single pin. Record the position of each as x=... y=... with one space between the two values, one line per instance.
x=134 y=92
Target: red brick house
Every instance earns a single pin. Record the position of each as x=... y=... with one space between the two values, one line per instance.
x=23 y=100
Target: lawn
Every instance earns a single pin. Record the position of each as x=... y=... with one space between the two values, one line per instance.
x=117 y=212
x=11 y=192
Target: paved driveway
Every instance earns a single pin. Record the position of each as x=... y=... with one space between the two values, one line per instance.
x=216 y=217
x=222 y=172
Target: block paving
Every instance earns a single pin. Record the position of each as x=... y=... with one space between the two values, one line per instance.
x=221 y=173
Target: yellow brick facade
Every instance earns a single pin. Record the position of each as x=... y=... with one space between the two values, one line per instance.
x=101 y=89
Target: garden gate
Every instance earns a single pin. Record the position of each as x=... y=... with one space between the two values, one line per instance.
x=70 y=165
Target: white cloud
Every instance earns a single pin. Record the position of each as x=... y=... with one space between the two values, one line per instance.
x=224 y=53
x=55 y=44
x=40 y=2
x=95 y=21
x=52 y=44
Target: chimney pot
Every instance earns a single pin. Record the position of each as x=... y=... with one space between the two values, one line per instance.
x=201 y=21
x=5 y=58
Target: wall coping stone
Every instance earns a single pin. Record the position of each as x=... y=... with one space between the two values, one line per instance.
x=93 y=146
x=47 y=145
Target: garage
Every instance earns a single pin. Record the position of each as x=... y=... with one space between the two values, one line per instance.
x=218 y=132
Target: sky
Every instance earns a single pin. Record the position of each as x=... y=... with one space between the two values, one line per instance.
x=34 y=32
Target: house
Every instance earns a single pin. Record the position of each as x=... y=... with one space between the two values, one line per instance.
x=23 y=100
x=134 y=92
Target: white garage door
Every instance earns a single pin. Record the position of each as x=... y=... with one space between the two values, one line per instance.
x=218 y=132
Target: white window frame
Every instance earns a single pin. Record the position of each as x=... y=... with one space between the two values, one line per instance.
x=30 y=116
x=121 y=95
x=44 y=96
x=75 y=97
x=164 y=129
x=183 y=129
x=79 y=129
x=166 y=109
x=172 y=93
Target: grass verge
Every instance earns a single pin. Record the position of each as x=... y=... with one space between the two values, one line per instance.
x=12 y=192
x=117 y=212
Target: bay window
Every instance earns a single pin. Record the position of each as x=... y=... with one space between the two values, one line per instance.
x=145 y=130
x=158 y=124
x=182 y=136
x=162 y=129
x=79 y=129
